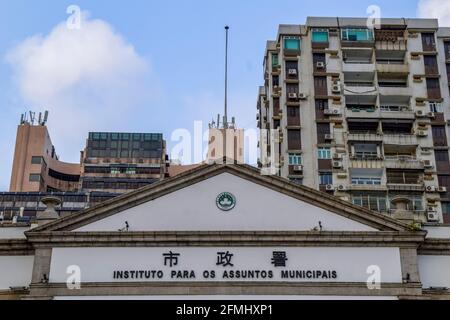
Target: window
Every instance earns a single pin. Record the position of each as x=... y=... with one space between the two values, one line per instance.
x=275 y=81
x=433 y=88
x=319 y=57
x=294 y=140
x=431 y=65
x=137 y=137
x=115 y=170
x=324 y=153
x=321 y=105
x=441 y=155
x=439 y=136
x=130 y=171
x=357 y=35
x=275 y=61
x=404 y=177
x=428 y=42
x=323 y=129
x=433 y=83
x=446 y=211
x=372 y=202
x=325 y=178
x=415 y=203
x=290 y=66
x=436 y=107
x=35 y=177
x=63 y=176
x=320 y=35
x=366 y=181
x=293 y=118
x=291 y=88
x=36 y=160
x=292 y=43
x=442 y=160
x=320 y=86
x=366 y=151
x=96 y=136
x=447 y=49
x=125 y=136
x=295 y=159
x=297 y=181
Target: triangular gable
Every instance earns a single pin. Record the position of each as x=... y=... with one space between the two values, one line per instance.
x=188 y=203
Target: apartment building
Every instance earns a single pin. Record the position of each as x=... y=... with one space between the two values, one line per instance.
x=361 y=113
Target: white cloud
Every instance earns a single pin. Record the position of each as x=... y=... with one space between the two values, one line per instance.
x=439 y=9
x=90 y=79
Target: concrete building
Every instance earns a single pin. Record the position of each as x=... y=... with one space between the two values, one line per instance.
x=361 y=113
x=36 y=167
x=112 y=162
x=223 y=232
x=119 y=162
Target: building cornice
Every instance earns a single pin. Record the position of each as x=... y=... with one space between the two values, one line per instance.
x=210 y=239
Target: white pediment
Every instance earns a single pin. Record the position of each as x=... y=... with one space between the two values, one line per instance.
x=194 y=208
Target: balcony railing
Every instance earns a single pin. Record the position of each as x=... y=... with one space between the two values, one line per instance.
x=400 y=139
x=355 y=135
x=403 y=162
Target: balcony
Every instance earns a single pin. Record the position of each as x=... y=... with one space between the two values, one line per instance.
x=395 y=90
x=400 y=45
x=352 y=66
x=359 y=88
x=359 y=83
x=403 y=162
x=404 y=113
x=357 y=37
x=405 y=180
x=357 y=112
x=389 y=66
x=400 y=139
x=368 y=163
x=364 y=137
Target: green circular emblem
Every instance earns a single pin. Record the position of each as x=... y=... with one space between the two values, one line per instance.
x=226 y=201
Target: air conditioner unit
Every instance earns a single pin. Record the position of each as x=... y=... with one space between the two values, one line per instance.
x=420 y=113
x=292 y=72
x=332 y=112
x=337 y=156
x=427 y=164
x=298 y=168
x=422 y=133
x=432 y=216
x=431 y=114
x=302 y=96
x=320 y=65
x=336 y=89
x=442 y=190
x=328 y=136
x=330 y=187
x=337 y=164
x=431 y=189
x=342 y=188
x=292 y=95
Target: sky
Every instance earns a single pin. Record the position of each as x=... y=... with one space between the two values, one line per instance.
x=144 y=65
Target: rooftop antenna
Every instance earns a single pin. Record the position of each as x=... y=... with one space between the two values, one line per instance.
x=225 y=118
x=45 y=118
